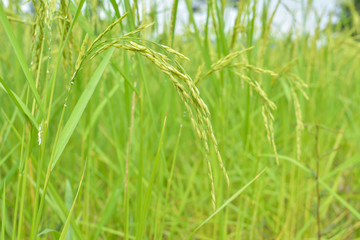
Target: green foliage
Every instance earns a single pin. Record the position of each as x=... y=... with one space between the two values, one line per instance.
x=112 y=128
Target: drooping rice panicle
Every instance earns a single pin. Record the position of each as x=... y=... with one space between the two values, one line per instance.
x=299 y=123
x=267 y=107
x=188 y=93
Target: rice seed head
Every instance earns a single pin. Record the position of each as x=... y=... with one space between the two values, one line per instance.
x=139 y=29
x=299 y=123
x=256 y=86
x=188 y=92
x=213 y=197
x=108 y=29
x=170 y=50
x=198 y=73
x=81 y=55
x=183 y=83
x=226 y=61
x=260 y=70
x=269 y=125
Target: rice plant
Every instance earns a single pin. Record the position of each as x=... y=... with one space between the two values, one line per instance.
x=136 y=120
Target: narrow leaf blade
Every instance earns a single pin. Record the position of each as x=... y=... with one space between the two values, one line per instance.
x=21 y=106
x=79 y=108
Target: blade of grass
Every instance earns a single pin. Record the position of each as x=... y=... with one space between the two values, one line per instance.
x=108 y=212
x=9 y=175
x=227 y=202
x=99 y=110
x=106 y=229
x=329 y=189
x=57 y=204
x=46 y=231
x=67 y=222
x=115 y=7
x=79 y=108
x=68 y=202
x=3 y=213
x=146 y=202
x=205 y=52
x=3 y=159
x=21 y=106
x=341 y=200
x=169 y=182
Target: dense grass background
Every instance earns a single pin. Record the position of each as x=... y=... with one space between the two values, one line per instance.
x=136 y=120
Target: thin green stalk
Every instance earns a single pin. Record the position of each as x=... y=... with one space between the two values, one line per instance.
x=139 y=234
x=126 y=177
x=227 y=202
x=173 y=21
x=3 y=215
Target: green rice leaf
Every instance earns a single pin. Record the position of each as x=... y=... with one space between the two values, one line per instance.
x=235 y=195
x=21 y=106
x=3 y=217
x=108 y=211
x=79 y=108
x=68 y=202
x=46 y=231
x=64 y=232
x=341 y=200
